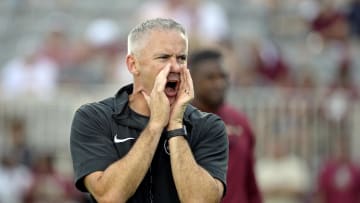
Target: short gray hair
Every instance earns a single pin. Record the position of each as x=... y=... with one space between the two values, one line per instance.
x=138 y=32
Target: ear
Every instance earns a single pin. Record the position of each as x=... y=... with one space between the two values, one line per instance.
x=131 y=64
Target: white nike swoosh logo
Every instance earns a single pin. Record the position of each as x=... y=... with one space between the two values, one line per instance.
x=117 y=140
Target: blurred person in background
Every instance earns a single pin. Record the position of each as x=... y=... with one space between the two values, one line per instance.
x=234 y=62
x=283 y=177
x=56 y=44
x=331 y=23
x=147 y=143
x=98 y=57
x=107 y=42
x=16 y=141
x=353 y=14
x=49 y=186
x=15 y=179
x=205 y=20
x=69 y=54
x=330 y=35
x=339 y=176
x=341 y=95
x=210 y=85
x=29 y=75
x=269 y=64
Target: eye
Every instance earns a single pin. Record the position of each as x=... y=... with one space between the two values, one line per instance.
x=181 y=59
x=163 y=57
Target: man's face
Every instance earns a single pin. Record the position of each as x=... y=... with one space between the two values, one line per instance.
x=210 y=82
x=162 y=48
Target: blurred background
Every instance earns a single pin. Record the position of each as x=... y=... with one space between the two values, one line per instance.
x=294 y=70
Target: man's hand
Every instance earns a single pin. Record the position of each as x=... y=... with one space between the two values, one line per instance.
x=184 y=96
x=157 y=101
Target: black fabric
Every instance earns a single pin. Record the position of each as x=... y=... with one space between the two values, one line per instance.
x=96 y=126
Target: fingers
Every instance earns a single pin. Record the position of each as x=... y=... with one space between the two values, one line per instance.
x=146 y=96
x=186 y=82
x=189 y=81
x=161 y=78
x=183 y=80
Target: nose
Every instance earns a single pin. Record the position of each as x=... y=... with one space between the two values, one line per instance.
x=220 y=83
x=176 y=65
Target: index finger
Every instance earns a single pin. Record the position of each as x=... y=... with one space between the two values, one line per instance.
x=161 y=78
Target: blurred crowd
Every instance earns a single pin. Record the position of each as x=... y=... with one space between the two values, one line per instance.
x=30 y=175
x=326 y=30
x=329 y=29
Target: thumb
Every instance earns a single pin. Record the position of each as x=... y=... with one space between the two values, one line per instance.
x=146 y=96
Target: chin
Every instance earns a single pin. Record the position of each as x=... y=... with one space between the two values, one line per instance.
x=216 y=103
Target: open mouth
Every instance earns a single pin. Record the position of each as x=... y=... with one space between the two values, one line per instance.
x=171 y=84
x=171 y=88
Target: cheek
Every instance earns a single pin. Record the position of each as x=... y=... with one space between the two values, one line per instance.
x=148 y=75
x=147 y=78
x=208 y=85
x=203 y=87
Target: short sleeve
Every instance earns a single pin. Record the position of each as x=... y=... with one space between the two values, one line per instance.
x=91 y=145
x=212 y=148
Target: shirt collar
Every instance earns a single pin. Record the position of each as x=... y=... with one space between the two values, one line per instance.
x=121 y=113
x=122 y=98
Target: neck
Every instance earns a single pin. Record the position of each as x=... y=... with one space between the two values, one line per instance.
x=138 y=103
x=203 y=107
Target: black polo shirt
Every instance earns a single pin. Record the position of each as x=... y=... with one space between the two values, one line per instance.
x=103 y=132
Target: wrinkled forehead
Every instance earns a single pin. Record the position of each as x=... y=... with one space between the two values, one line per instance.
x=165 y=40
x=158 y=37
x=164 y=34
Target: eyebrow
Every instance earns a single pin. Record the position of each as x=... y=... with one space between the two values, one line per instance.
x=182 y=55
x=168 y=55
x=162 y=55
